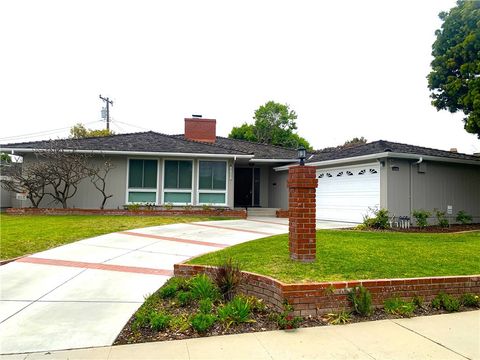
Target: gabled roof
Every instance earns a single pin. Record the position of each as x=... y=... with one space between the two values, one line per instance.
x=134 y=142
x=382 y=146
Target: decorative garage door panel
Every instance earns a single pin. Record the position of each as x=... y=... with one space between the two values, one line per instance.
x=345 y=194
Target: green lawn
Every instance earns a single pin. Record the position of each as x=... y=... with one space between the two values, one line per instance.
x=349 y=255
x=27 y=234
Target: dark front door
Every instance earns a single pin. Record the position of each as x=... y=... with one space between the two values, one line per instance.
x=247 y=187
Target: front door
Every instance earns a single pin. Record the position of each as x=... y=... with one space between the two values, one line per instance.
x=247 y=187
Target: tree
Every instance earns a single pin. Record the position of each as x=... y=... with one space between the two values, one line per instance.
x=29 y=179
x=64 y=170
x=79 y=131
x=354 y=142
x=274 y=124
x=98 y=176
x=5 y=158
x=454 y=81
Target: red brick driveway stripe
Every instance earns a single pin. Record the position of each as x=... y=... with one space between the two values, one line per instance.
x=167 y=238
x=231 y=228
x=267 y=222
x=96 y=266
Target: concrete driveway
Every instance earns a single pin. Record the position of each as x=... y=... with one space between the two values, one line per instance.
x=82 y=294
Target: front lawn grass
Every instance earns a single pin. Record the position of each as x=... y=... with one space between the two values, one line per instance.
x=351 y=255
x=28 y=234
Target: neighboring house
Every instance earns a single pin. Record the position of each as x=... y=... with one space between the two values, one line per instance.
x=8 y=198
x=198 y=168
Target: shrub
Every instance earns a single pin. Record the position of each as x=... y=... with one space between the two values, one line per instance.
x=418 y=301
x=168 y=206
x=285 y=319
x=421 y=217
x=339 y=318
x=380 y=219
x=470 y=300
x=142 y=317
x=361 y=300
x=463 y=218
x=397 y=306
x=447 y=302
x=180 y=323
x=228 y=277
x=202 y=287
x=159 y=321
x=133 y=207
x=441 y=218
x=184 y=298
x=202 y=322
x=173 y=285
x=236 y=311
x=205 y=306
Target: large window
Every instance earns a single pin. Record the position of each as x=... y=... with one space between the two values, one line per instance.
x=142 y=180
x=212 y=182
x=177 y=182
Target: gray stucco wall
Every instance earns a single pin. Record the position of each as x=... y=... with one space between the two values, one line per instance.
x=5 y=198
x=435 y=186
x=87 y=197
x=278 y=190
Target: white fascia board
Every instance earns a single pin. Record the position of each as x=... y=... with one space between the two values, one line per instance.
x=384 y=155
x=271 y=160
x=134 y=153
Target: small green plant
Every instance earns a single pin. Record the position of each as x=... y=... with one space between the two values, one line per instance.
x=180 y=323
x=421 y=217
x=236 y=311
x=463 y=218
x=205 y=306
x=187 y=207
x=361 y=300
x=441 y=219
x=184 y=298
x=133 y=207
x=286 y=320
x=142 y=317
x=418 y=301
x=168 y=206
x=379 y=220
x=470 y=300
x=206 y=207
x=228 y=277
x=202 y=287
x=159 y=321
x=257 y=305
x=330 y=290
x=202 y=322
x=169 y=289
x=339 y=318
x=397 y=306
x=447 y=302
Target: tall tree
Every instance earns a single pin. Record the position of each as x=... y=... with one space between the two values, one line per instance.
x=454 y=81
x=98 y=177
x=274 y=124
x=79 y=131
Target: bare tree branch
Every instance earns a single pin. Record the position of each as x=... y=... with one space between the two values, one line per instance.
x=98 y=176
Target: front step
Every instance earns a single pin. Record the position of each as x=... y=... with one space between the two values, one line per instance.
x=267 y=212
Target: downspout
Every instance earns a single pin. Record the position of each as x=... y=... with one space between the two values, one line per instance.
x=420 y=160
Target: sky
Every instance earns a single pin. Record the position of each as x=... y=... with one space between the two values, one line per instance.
x=348 y=68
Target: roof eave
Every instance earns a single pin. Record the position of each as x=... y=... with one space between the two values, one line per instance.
x=384 y=155
x=133 y=153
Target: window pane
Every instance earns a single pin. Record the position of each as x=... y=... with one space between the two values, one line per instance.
x=171 y=174
x=135 y=174
x=185 y=174
x=205 y=175
x=207 y=198
x=150 y=173
x=219 y=175
x=134 y=196
x=175 y=197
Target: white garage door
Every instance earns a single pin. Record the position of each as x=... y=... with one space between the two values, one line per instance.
x=346 y=193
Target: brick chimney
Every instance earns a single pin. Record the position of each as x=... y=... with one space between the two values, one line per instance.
x=199 y=129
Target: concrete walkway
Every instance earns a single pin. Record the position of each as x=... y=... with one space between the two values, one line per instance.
x=452 y=336
x=82 y=294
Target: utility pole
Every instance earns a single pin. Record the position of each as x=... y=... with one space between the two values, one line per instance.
x=108 y=102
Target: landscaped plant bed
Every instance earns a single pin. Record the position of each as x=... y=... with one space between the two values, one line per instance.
x=240 y=214
x=438 y=229
x=165 y=315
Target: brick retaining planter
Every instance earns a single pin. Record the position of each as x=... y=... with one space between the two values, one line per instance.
x=282 y=213
x=320 y=298
x=239 y=214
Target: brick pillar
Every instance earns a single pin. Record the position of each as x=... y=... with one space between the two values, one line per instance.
x=302 y=184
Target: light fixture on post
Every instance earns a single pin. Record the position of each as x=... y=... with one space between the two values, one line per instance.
x=301 y=154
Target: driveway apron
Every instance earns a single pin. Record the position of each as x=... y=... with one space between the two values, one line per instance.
x=82 y=294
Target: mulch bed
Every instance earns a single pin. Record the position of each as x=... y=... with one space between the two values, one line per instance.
x=263 y=321
x=439 y=229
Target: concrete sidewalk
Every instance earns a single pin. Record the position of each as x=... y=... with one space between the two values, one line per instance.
x=451 y=336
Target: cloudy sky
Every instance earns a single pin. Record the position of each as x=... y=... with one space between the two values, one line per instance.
x=348 y=68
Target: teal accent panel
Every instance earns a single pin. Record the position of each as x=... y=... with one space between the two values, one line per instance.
x=211 y=198
x=175 y=197
x=137 y=196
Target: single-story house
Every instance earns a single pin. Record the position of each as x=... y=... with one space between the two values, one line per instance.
x=198 y=168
